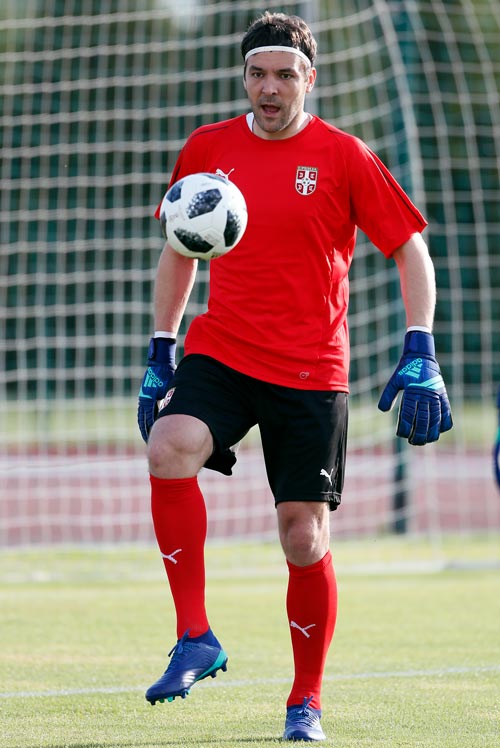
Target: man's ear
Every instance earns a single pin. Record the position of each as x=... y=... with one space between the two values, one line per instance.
x=311 y=80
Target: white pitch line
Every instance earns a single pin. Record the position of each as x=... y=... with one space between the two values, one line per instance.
x=224 y=683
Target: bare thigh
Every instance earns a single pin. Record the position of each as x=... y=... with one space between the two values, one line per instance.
x=178 y=446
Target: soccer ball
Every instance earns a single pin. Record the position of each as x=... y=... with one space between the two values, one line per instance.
x=203 y=215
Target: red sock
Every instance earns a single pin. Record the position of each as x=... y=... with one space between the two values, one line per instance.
x=311 y=605
x=180 y=522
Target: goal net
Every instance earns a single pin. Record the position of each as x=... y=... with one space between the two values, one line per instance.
x=96 y=100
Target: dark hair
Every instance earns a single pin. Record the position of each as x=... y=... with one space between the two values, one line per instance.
x=281 y=30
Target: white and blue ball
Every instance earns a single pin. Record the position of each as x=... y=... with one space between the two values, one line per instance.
x=203 y=216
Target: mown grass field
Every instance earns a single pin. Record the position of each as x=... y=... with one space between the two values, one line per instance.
x=415 y=660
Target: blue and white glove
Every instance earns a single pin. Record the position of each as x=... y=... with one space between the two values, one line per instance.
x=156 y=381
x=424 y=412
x=496 y=448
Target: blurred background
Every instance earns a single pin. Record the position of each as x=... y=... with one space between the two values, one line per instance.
x=96 y=99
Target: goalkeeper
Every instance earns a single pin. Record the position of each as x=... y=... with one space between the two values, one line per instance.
x=273 y=350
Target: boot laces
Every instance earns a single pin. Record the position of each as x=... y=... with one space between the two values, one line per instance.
x=307 y=715
x=181 y=647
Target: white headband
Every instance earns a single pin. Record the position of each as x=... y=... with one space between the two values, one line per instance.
x=278 y=48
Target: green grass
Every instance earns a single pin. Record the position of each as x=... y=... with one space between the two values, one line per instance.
x=415 y=659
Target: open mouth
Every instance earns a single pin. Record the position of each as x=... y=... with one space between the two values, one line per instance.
x=270 y=109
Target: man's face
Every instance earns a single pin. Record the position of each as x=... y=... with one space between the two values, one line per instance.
x=276 y=84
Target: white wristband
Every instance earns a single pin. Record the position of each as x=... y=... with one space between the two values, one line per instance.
x=418 y=328
x=164 y=334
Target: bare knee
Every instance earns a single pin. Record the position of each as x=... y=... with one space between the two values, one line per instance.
x=178 y=446
x=304 y=529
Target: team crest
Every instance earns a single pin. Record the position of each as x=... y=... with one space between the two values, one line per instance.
x=306 y=179
x=163 y=403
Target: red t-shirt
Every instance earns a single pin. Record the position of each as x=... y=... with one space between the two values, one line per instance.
x=277 y=308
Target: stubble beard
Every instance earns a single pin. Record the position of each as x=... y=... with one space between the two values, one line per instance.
x=284 y=120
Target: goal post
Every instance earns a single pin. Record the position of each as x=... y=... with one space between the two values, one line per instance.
x=96 y=100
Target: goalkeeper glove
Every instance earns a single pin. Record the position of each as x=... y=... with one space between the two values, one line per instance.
x=161 y=368
x=496 y=448
x=424 y=411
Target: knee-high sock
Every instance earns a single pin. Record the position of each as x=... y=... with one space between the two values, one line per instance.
x=180 y=523
x=312 y=612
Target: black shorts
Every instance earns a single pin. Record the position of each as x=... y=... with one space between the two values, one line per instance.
x=303 y=432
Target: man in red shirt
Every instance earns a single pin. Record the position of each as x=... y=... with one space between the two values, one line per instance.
x=273 y=350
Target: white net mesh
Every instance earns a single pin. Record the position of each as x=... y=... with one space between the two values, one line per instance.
x=94 y=109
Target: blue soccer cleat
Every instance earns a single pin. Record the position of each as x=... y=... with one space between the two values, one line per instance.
x=303 y=722
x=191 y=661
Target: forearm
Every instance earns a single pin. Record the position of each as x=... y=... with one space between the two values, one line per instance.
x=418 y=284
x=174 y=280
x=424 y=411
